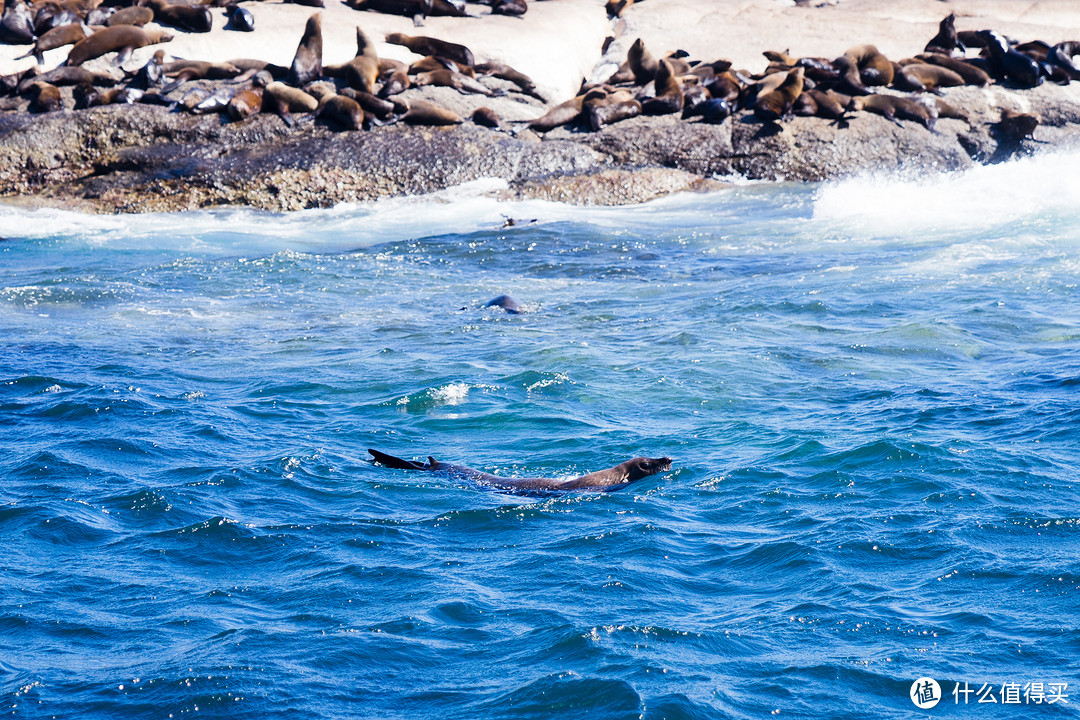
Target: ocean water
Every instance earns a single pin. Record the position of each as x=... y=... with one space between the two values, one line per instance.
x=869 y=389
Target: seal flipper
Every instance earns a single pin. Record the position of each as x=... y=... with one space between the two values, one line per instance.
x=397 y=463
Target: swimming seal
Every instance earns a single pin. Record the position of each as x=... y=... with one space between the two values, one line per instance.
x=612 y=478
x=307 y=62
x=506 y=302
x=121 y=38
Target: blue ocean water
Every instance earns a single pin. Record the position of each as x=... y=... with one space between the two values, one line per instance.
x=868 y=388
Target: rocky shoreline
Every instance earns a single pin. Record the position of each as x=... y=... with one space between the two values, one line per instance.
x=142 y=158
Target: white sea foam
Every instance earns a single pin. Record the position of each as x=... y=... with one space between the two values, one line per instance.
x=1027 y=191
x=461 y=209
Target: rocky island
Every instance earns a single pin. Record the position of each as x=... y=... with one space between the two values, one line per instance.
x=620 y=103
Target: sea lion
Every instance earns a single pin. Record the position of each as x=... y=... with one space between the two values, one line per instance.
x=849 y=81
x=122 y=39
x=513 y=8
x=432 y=63
x=940 y=108
x=600 y=108
x=134 y=15
x=777 y=104
x=946 y=42
x=240 y=19
x=924 y=77
x=44 y=97
x=283 y=100
x=971 y=74
x=307 y=62
x=641 y=62
x=17 y=24
x=362 y=72
x=422 y=112
x=341 y=111
x=612 y=478
x=669 y=96
x=505 y=72
x=394 y=77
x=183 y=71
x=248 y=101
x=506 y=302
x=450 y=78
x=874 y=67
x=1015 y=126
x=561 y=114
x=892 y=107
x=486 y=117
x=418 y=10
x=69 y=75
x=1015 y=66
x=151 y=74
x=56 y=38
x=1062 y=54
x=183 y=17
x=716 y=111
x=423 y=45
x=375 y=107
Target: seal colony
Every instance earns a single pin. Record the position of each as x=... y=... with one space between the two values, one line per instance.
x=448 y=84
x=613 y=478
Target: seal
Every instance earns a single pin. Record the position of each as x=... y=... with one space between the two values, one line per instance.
x=507 y=302
x=307 y=62
x=422 y=112
x=971 y=74
x=122 y=39
x=458 y=81
x=612 y=478
x=892 y=107
x=423 y=45
x=284 y=100
x=17 y=24
x=134 y=15
x=183 y=17
x=946 y=42
x=239 y=19
x=600 y=108
x=362 y=72
x=341 y=111
x=562 y=114
x=874 y=67
x=669 y=95
x=777 y=104
x=44 y=97
x=375 y=108
x=394 y=77
x=56 y=38
x=486 y=117
x=1017 y=67
x=924 y=77
x=1015 y=126
x=641 y=62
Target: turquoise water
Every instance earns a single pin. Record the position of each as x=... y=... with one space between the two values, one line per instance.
x=872 y=414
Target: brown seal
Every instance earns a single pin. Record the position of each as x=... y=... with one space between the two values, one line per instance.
x=423 y=45
x=612 y=478
x=669 y=95
x=971 y=74
x=874 y=67
x=450 y=78
x=283 y=100
x=341 y=111
x=432 y=63
x=248 y=101
x=641 y=62
x=561 y=114
x=892 y=107
x=184 y=17
x=121 y=39
x=44 y=97
x=486 y=117
x=375 y=107
x=505 y=72
x=924 y=77
x=422 y=112
x=134 y=15
x=362 y=72
x=601 y=108
x=778 y=104
x=307 y=62
x=945 y=42
x=56 y=38
x=1015 y=126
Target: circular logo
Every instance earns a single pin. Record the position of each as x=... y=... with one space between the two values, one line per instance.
x=925 y=693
